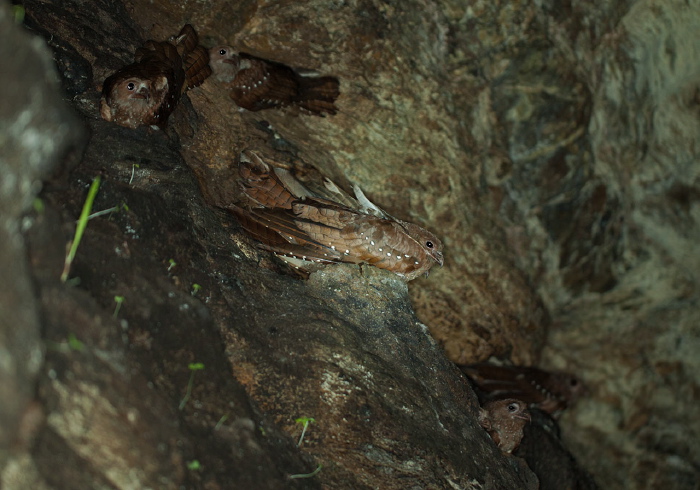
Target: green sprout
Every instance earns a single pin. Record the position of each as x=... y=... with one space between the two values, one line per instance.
x=307 y=475
x=119 y=300
x=195 y=289
x=193 y=367
x=18 y=13
x=172 y=264
x=103 y=212
x=74 y=343
x=122 y=206
x=306 y=421
x=80 y=229
x=38 y=205
x=220 y=422
x=70 y=344
x=133 y=167
x=194 y=465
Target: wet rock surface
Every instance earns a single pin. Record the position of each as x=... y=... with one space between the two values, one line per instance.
x=534 y=140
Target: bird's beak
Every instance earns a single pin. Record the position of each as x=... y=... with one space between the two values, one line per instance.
x=524 y=416
x=439 y=258
x=142 y=93
x=229 y=61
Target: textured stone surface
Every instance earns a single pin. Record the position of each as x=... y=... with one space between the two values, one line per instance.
x=551 y=146
x=344 y=347
x=612 y=232
x=36 y=130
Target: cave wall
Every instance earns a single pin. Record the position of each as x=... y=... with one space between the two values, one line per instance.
x=550 y=146
x=637 y=338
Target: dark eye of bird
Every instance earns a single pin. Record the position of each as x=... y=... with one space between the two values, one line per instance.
x=429 y=244
x=222 y=52
x=130 y=86
x=512 y=407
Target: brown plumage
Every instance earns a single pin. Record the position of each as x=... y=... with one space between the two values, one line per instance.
x=551 y=392
x=548 y=458
x=256 y=84
x=147 y=91
x=504 y=420
x=292 y=221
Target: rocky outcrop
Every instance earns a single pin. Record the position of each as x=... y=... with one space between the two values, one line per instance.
x=550 y=147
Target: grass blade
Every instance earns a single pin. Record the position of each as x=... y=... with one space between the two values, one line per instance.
x=80 y=229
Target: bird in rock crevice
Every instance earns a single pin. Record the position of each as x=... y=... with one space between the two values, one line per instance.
x=256 y=84
x=147 y=91
x=504 y=420
x=549 y=391
x=296 y=223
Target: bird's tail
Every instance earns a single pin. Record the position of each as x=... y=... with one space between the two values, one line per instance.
x=195 y=58
x=186 y=40
x=264 y=185
x=317 y=95
x=197 y=67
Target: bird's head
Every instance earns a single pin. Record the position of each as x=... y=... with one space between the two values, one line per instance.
x=134 y=88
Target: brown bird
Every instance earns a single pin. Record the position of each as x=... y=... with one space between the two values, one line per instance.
x=548 y=458
x=296 y=223
x=256 y=84
x=147 y=91
x=551 y=392
x=504 y=420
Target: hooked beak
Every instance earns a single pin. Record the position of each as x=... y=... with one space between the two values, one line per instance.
x=142 y=93
x=438 y=258
x=229 y=61
x=524 y=416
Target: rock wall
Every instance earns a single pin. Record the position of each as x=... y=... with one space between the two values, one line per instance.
x=550 y=146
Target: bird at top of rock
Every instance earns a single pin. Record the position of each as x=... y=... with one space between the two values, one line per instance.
x=256 y=84
x=505 y=420
x=147 y=91
x=296 y=223
x=549 y=391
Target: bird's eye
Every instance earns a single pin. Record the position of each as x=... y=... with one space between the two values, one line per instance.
x=222 y=51
x=429 y=244
x=130 y=86
x=513 y=407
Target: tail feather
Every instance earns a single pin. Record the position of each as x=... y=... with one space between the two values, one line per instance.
x=186 y=41
x=318 y=107
x=276 y=229
x=325 y=88
x=317 y=95
x=261 y=184
x=156 y=50
x=160 y=53
x=197 y=67
x=259 y=231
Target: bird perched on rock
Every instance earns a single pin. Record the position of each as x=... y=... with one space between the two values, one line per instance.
x=295 y=223
x=504 y=420
x=546 y=455
x=551 y=392
x=147 y=91
x=256 y=84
